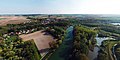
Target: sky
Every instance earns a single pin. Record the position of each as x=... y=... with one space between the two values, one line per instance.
x=60 y=6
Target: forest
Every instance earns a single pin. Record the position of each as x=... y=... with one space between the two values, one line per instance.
x=13 y=47
x=84 y=40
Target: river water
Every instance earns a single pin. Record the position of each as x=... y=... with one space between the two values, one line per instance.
x=115 y=23
x=62 y=52
x=93 y=54
x=64 y=48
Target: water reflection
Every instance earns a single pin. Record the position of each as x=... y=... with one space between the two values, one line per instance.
x=93 y=54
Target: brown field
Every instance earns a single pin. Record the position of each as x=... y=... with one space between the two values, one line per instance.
x=41 y=40
x=12 y=20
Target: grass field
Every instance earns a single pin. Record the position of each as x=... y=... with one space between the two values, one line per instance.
x=36 y=55
x=2 y=18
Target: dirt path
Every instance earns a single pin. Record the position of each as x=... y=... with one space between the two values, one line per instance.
x=40 y=40
x=110 y=53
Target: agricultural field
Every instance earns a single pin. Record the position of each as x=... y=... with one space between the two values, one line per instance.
x=4 y=20
x=41 y=40
x=56 y=38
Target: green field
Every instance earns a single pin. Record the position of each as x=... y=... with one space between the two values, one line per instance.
x=2 y=18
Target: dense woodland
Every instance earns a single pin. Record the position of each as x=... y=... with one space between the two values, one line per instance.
x=84 y=40
x=105 y=29
x=12 y=47
x=101 y=25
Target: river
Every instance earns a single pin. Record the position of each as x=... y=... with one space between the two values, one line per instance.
x=63 y=51
x=93 y=54
x=115 y=23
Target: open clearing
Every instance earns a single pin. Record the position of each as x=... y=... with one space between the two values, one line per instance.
x=41 y=40
x=4 y=20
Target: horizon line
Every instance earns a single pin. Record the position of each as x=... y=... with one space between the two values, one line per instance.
x=52 y=14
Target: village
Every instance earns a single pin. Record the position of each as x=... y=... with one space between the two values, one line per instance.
x=44 y=31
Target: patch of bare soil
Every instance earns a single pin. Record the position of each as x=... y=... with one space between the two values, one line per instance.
x=12 y=20
x=41 y=40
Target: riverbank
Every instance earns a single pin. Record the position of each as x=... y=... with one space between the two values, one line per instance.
x=107 y=47
x=93 y=54
x=63 y=51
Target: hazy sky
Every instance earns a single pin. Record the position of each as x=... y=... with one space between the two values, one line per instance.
x=60 y=6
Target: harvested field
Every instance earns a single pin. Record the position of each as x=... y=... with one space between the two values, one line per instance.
x=4 y=20
x=41 y=40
